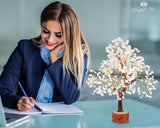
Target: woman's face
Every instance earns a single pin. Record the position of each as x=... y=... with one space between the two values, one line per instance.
x=51 y=34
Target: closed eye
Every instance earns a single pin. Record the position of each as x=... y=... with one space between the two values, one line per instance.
x=59 y=36
x=47 y=32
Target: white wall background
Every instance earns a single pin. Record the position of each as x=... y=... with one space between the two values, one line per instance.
x=19 y=19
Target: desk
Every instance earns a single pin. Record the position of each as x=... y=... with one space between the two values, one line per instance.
x=98 y=114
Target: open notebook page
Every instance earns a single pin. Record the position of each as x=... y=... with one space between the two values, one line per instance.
x=59 y=108
x=16 y=111
x=54 y=108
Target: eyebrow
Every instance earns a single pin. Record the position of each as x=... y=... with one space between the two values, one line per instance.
x=49 y=31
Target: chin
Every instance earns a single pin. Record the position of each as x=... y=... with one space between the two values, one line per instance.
x=49 y=47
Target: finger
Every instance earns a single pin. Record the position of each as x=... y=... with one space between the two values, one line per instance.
x=58 y=47
x=21 y=104
x=61 y=46
x=23 y=107
x=28 y=102
x=25 y=100
x=55 y=52
x=32 y=100
x=22 y=100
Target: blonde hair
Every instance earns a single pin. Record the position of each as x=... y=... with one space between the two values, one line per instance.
x=75 y=44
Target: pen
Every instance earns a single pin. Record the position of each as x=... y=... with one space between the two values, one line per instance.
x=23 y=90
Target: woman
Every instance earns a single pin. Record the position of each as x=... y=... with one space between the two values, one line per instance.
x=50 y=67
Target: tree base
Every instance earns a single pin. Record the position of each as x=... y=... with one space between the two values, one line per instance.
x=120 y=117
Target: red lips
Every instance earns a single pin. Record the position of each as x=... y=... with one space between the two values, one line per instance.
x=49 y=43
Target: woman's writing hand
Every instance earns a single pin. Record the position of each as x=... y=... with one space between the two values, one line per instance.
x=25 y=103
x=55 y=52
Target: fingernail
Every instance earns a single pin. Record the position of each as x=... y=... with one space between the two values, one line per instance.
x=32 y=105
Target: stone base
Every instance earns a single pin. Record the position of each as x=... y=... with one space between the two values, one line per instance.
x=120 y=117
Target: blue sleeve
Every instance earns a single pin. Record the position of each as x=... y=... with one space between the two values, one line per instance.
x=9 y=78
x=65 y=85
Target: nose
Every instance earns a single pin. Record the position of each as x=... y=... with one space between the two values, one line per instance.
x=52 y=38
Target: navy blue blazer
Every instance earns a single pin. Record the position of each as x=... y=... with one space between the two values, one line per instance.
x=26 y=65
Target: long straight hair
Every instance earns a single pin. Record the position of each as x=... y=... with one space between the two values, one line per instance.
x=75 y=44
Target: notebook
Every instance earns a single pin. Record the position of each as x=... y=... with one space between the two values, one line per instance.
x=52 y=108
x=7 y=119
x=58 y=108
